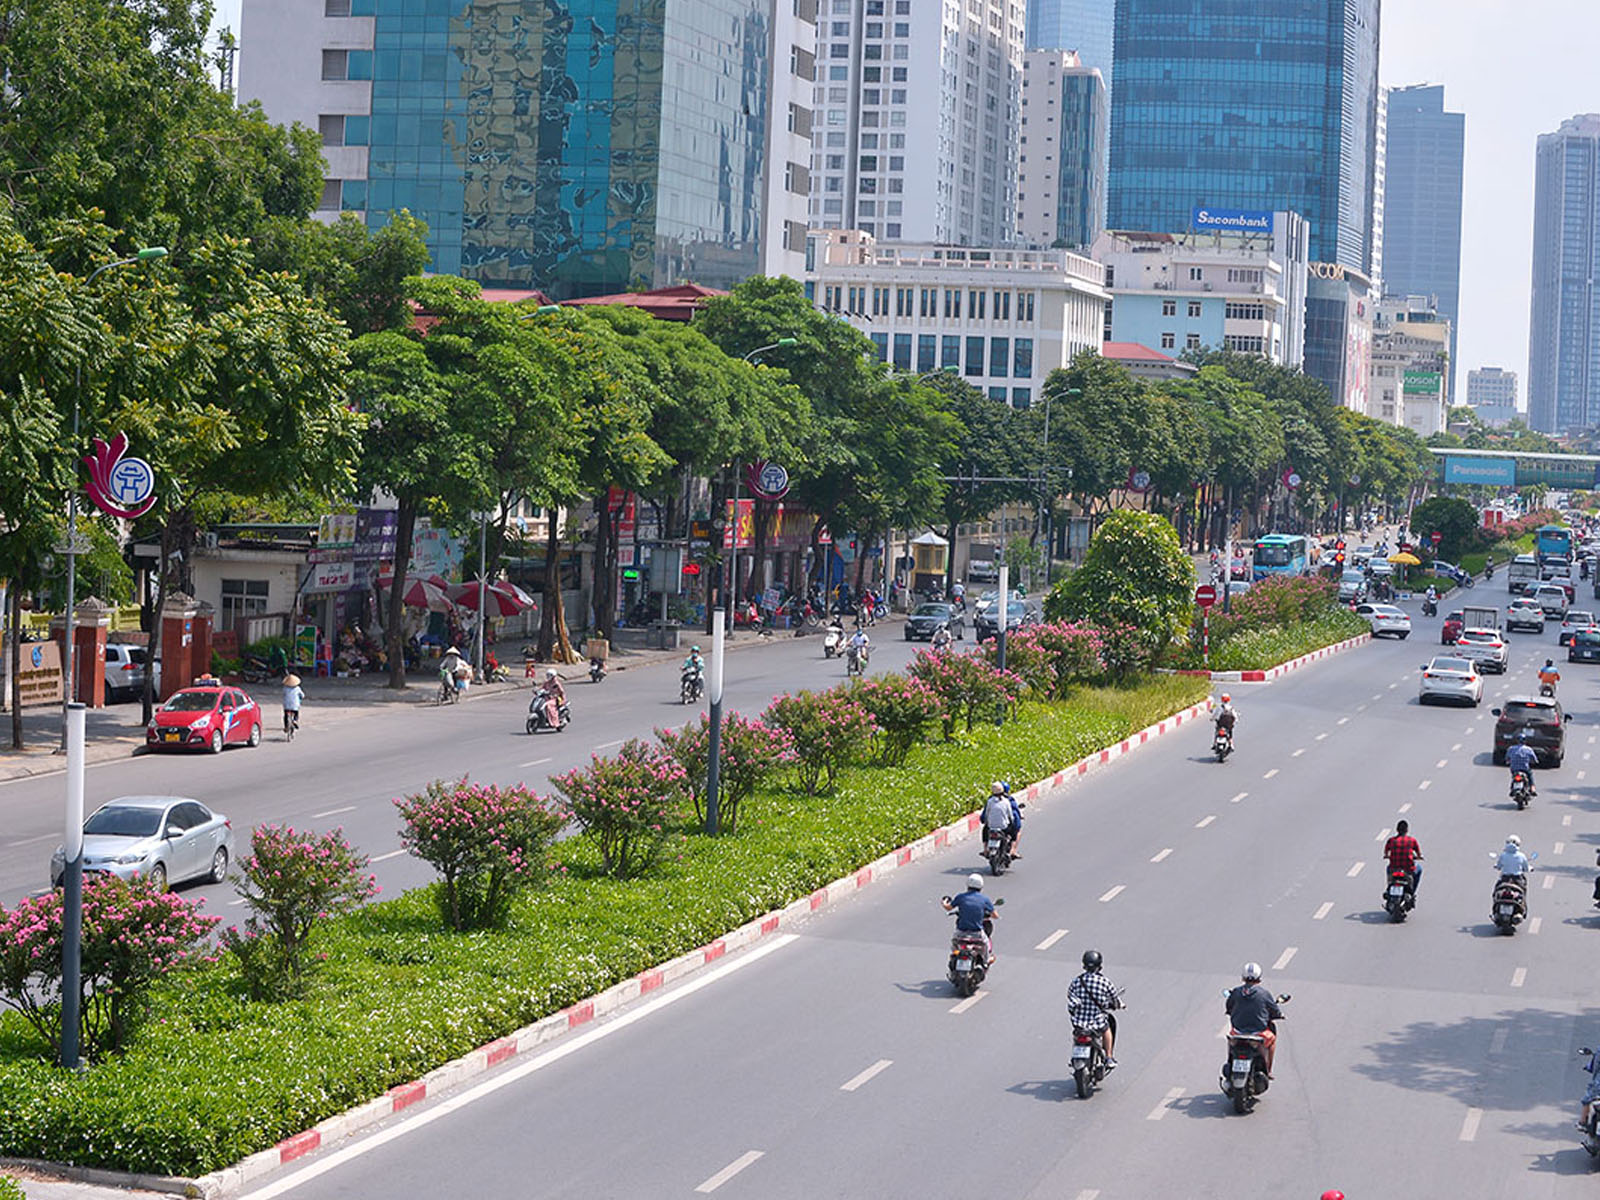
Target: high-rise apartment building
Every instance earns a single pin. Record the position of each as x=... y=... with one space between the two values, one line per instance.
x=1061 y=180
x=1081 y=25
x=1422 y=202
x=1236 y=104
x=916 y=119
x=585 y=148
x=1564 y=336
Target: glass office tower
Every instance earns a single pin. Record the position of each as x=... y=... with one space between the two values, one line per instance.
x=1236 y=104
x=1564 y=336
x=1081 y=25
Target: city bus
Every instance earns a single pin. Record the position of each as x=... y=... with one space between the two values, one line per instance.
x=1552 y=540
x=1280 y=554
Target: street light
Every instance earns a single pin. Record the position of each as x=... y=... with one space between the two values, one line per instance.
x=783 y=341
x=733 y=558
x=1049 y=500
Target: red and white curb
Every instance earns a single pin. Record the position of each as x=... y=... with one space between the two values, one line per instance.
x=232 y=1179
x=1282 y=668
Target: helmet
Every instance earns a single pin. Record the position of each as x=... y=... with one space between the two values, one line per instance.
x=1332 y=1194
x=694 y=649
x=550 y=674
x=1006 y=783
x=1251 y=972
x=1092 y=960
x=1513 y=840
x=996 y=788
x=974 y=882
x=1549 y=662
x=1226 y=698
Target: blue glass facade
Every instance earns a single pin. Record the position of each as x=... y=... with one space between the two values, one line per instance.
x=1240 y=104
x=1084 y=144
x=1081 y=25
x=578 y=146
x=1564 y=335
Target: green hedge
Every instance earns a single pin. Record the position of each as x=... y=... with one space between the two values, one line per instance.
x=1258 y=649
x=214 y=1077
x=10 y=1189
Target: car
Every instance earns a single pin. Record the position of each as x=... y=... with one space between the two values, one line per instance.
x=1448 y=571
x=1584 y=646
x=1385 y=618
x=1450 y=678
x=1574 y=621
x=164 y=839
x=1239 y=569
x=1553 y=598
x=125 y=671
x=1238 y=587
x=1524 y=613
x=1451 y=629
x=1018 y=614
x=1352 y=587
x=207 y=717
x=925 y=620
x=1546 y=724
x=1486 y=647
x=982 y=570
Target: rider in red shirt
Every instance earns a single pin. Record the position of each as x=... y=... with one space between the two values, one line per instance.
x=1404 y=854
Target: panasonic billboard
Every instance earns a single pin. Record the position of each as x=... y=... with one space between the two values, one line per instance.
x=1494 y=472
x=1231 y=220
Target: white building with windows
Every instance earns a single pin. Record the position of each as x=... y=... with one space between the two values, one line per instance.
x=1238 y=290
x=915 y=119
x=1410 y=364
x=1003 y=318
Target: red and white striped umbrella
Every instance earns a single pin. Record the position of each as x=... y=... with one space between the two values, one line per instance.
x=424 y=591
x=503 y=599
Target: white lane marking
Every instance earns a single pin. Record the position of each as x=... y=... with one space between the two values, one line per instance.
x=1298 y=752
x=1376 y=698
x=1361 y=708
x=1089 y=1194
x=608 y=745
x=1468 y=730
x=1559 y=848
x=968 y=1002
x=1113 y=893
x=854 y=1082
x=1342 y=721
x=1586 y=756
x=1283 y=959
x=1423 y=786
x=1441 y=764
x=1051 y=940
x=1161 y=855
x=1549 y=882
x=1498 y=1042
x=1320 y=736
x=1383 y=833
x=1270 y=773
x=43 y=837
x=1392 y=686
x=1405 y=808
x=236 y=903
x=488 y=1087
x=1534 y=923
x=386 y=857
x=1323 y=910
x=1354 y=871
x=1204 y=821
x=1456 y=747
x=1469 y=1126
x=729 y=1171
x=1238 y=798
x=1566 y=821
x=333 y=812
x=1519 y=976
x=1591 y=739
x=536 y=762
x=1581 y=774
x=1160 y=1110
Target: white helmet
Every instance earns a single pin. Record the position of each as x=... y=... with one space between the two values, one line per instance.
x=997 y=788
x=550 y=674
x=1251 y=972
x=974 y=882
x=1513 y=840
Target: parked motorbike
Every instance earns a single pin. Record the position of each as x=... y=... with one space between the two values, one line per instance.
x=832 y=640
x=1400 y=896
x=969 y=956
x=1244 y=1075
x=1589 y=1139
x=539 y=717
x=1521 y=789
x=691 y=686
x=597 y=670
x=1222 y=743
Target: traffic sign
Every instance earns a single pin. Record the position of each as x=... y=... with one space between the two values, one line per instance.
x=1205 y=595
x=1436 y=537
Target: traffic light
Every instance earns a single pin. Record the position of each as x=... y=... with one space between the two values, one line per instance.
x=1339 y=545
x=691 y=568
x=1338 y=558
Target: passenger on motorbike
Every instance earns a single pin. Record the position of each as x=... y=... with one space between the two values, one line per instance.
x=1520 y=757
x=1251 y=1010
x=1091 y=997
x=1512 y=863
x=1405 y=854
x=997 y=810
x=1016 y=821
x=555 y=695
x=973 y=911
x=1591 y=1093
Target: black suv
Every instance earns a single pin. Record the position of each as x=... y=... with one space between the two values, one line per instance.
x=1584 y=646
x=1542 y=718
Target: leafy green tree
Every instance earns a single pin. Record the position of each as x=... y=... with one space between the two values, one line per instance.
x=1134 y=572
x=1454 y=520
x=360 y=275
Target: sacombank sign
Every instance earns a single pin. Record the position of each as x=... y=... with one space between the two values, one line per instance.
x=1242 y=220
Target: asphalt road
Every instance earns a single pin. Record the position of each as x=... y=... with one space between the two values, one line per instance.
x=1434 y=1058
x=346 y=768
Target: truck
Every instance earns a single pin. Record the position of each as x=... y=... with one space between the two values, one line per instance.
x=1523 y=575
x=1480 y=616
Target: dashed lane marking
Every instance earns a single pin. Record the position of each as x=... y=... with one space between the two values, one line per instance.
x=1566 y=821
x=1534 y=923
x=1283 y=959
x=1383 y=833
x=1354 y=871
x=1405 y=808
x=1559 y=848
x=1498 y=1042
x=1441 y=764
x=1549 y=882
x=729 y=1171
x=1204 y=821
x=1424 y=785
x=1342 y=721
x=1581 y=774
x=1051 y=940
x=537 y=762
x=1113 y=893
x=386 y=857
x=1270 y=773
x=1392 y=686
x=1089 y=1194
x=236 y=903
x=1321 y=736
x=1587 y=756
x=333 y=812
x=968 y=1002
x=1161 y=1109
x=1519 y=976
x=1469 y=1125
x=1376 y=698
x=1238 y=798
x=1298 y=752
x=856 y=1081
x=1323 y=910
x=1161 y=855
x=1456 y=747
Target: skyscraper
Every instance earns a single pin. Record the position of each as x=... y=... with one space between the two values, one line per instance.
x=1422 y=202
x=1564 y=337
x=581 y=148
x=1061 y=173
x=916 y=120
x=1081 y=25
x=1236 y=104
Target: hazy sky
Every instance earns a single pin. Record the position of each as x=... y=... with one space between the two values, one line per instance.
x=1516 y=68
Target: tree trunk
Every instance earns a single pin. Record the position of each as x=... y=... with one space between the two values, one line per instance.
x=765 y=510
x=14 y=647
x=554 y=643
x=605 y=565
x=153 y=653
x=394 y=618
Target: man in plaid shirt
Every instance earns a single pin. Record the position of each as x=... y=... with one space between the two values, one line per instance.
x=1090 y=999
x=1405 y=854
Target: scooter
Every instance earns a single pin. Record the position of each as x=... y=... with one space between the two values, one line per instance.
x=1509 y=905
x=997 y=845
x=1430 y=608
x=1521 y=789
x=969 y=956
x=832 y=641
x=597 y=670
x=1222 y=743
x=1400 y=896
x=1547 y=690
x=691 y=686
x=1589 y=1139
x=539 y=718
x=1244 y=1075
x=855 y=660
x=1089 y=1056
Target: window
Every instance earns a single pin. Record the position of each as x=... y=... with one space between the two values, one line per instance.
x=1022 y=358
x=797 y=179
x=998 y=393
x=881 y=341
x=904 y=301
x=1239 y=310
x=331 y=127
x=1002 y=306
x=242 y=598
x=999 y=355
x=1196 y=274
x=927 y=350
x=902 y=351
x=799 y=121
x=950 y=352
x=335 y=64
x=1192 y=341
x=1194 y=309
x=974 y=356
x=1169 y=341
x=1169 y=308
x=1021 y=397
x=1025 y=307
x=336 y=8
x=929 y=303
x=332 y=195
x=976 y=303
x=952 y=304
x=880 y=302
x=1244 y=345
x=1243 y=275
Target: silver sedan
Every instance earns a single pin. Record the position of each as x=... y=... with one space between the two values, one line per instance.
x=1451 y=678
x=165 y=839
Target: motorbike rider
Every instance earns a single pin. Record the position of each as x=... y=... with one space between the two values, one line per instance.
x=1591 y=1093
x=695 y=664
x=1016 y=820
x=555 y=695
x=1512 y=863
x=1091 y=997
x=1549 y=676
x=1405 y=854
x=974 y=911
x=1226 y=716
x=861 y=644
x=941 y=639
x=1251 y=1009
x=1520 y=757
x=1431 y=600
x=997 y=810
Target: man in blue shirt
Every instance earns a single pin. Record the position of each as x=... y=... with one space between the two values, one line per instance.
x=1521 y=757
x=973 y=911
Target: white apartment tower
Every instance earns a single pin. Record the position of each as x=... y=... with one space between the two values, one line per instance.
x=915 y=119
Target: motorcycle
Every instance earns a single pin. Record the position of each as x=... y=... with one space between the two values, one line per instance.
x=597 y=670
x=832 y=640
x=1430 y=608
x=1222 y=743
x=691 y=686
x=1467 y=580
x=1590 y=1137
x=1244 y=1075
x=997 y=846
x=1510 y=901
x=1400 y=896
x=1547 y=690
x=855 y=660
x=1089 y=1056
x=969 y=956
x=539 y=717
x=1521 y=789
x=1488 y=573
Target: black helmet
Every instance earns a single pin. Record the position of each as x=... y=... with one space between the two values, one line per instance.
x=1092 y=960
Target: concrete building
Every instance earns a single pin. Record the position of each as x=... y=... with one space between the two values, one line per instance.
x=1061 y=169
x=1339 y=312
x=1235 y=290
x=1410 y=355
x=1564 y=335
x=1235 y=104
x=1004 y=318
x=1081 y=25
x=1492 y=395
x=650 y=147
x=1422 y=202
x=1152 y=366
x=915 y=129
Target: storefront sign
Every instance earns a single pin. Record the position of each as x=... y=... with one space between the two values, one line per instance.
x=331 y=577
x=740 y=534
x=120 y=487
x=1421 y=383
x=435 y=552
x=336 y=532
x=40 y=678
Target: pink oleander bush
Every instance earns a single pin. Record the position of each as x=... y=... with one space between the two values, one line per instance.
x=830 y=730
x=904 y=711
x=1053 y=656
x=132 y=937
x=627 y=804
x=750 y=752
x=486 y=842
x=291 y=880
x=969 y=686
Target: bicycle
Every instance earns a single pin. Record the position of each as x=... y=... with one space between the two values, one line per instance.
x=291 y=722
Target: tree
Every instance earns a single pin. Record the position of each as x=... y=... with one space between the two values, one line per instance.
x=1134 y=572
x=1454 y=520
x=360 y=275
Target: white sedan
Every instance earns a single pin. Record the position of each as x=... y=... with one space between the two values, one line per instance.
x=1385 y=618
x=1448 y=678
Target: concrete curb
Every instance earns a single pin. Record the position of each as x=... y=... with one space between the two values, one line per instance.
x=230 y=1180
x=1282 y=668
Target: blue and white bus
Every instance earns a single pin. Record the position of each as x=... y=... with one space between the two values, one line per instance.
x=1553 y=541
x=1280 y=554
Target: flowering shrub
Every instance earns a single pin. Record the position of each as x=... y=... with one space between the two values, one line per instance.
x=749 y=753
x=1124 y=650
x=132 y=935
x=967 y=685
x=10 y=1189
x=830 y=731
x=486 y=842
x=904 y=709
x=1049 y=658
x=626 y=803
x=290 y=880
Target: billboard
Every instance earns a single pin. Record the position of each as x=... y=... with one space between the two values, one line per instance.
x=1234 y=220
x=1422 y=383
x=1493 y=472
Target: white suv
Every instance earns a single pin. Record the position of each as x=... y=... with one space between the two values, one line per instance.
x=1485 y=647
x=1551 y=597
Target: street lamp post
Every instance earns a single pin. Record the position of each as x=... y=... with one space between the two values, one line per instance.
x=1049 y=498
x=733 y=555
